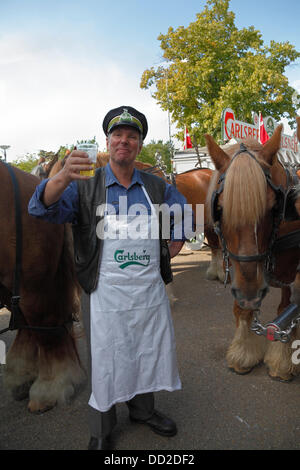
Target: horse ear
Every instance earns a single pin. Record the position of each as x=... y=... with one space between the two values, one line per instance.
x=218 y=156
x=298 y=127
x=272 y=146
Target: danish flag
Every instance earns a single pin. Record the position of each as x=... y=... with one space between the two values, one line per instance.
x=263 y=135
x=187 y=140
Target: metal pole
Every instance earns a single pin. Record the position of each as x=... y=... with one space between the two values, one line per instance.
x=4 y=148
x=169 y=120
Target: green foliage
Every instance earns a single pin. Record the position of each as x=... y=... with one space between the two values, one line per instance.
x=211 y=65
x=165 y=150
x=26 y=163
x=30 y=160
x=88 y=141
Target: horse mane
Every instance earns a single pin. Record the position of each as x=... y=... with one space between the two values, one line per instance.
x=245 y=192
x=245 y=188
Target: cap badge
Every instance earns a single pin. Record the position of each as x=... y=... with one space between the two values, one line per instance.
x=125 y=116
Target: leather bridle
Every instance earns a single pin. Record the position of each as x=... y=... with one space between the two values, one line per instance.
x=278 y=216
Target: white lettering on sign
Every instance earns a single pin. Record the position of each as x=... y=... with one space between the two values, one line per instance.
x=237 y=129
x=232 y=128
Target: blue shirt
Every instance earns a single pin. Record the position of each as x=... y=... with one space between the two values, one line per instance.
x=65 y=210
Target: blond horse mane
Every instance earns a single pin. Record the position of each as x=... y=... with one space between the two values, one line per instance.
x=245 y=192
x=245 y=189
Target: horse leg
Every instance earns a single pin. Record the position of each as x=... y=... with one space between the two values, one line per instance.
x=216 y=269
x=21 y=365
x=278 y=357
x=247 y=349
x=60 y=371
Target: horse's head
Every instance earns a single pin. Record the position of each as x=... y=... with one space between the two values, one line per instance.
x=245 y=207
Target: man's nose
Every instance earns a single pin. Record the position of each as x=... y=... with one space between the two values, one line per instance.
x=124 y=139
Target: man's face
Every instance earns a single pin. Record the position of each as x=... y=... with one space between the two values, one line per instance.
x=123 y=145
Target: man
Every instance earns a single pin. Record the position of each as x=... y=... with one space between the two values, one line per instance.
x=126 y=312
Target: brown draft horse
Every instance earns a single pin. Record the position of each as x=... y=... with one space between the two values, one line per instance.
x=43 y=364
x=194 y=186
x=246 y=219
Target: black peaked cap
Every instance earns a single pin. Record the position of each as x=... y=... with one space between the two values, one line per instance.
x=125 y=116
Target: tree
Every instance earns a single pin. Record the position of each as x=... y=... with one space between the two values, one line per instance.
x=30 y=160
x=26 y=163
x=148 y=152
x=211 y=65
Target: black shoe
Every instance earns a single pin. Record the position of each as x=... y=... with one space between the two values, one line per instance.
x=159 y=423
x=99 y=444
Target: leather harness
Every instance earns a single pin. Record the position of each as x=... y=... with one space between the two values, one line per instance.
x=284 y=199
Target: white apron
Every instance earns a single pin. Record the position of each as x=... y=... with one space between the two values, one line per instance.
x=132 y=336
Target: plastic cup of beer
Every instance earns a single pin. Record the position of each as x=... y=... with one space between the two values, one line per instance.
x=91 y=150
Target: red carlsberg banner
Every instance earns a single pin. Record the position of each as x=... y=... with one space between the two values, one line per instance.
x=238 y=130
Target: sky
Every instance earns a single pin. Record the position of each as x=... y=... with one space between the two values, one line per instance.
x=65 y=63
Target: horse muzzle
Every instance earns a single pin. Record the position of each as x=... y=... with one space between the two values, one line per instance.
x=248 y=302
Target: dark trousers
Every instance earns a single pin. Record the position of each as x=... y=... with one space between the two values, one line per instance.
x=102 y=423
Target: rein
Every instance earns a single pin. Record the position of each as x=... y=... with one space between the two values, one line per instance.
x=275 y=244
x=152 y=169
x=17 y=319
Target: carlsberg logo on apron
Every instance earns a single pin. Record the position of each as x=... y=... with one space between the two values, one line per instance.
x=128 y=259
